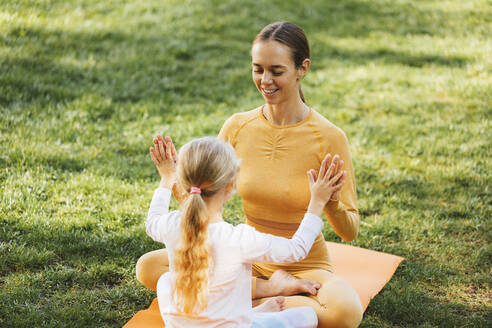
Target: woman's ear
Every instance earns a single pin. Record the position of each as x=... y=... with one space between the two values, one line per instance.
x=304 y=68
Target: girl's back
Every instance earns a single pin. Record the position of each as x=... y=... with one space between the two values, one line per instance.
x=232 y=250
x=229 y=300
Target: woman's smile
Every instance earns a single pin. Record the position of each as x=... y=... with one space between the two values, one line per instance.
x=269 y=92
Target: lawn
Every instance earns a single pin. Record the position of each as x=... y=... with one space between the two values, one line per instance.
x=85 y=85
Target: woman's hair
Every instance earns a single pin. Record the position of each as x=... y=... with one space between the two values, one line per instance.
x=290 y=35
x=209 y=164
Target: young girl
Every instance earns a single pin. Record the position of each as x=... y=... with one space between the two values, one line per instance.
x=209 y=278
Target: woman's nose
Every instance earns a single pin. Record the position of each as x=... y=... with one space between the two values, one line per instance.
x=266 y=78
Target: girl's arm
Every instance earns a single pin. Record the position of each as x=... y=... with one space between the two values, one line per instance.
x=160 y=223
x=164 y=156
x=261 y=247
x=169 y=150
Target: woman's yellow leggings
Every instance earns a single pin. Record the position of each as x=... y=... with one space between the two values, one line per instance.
x=336 y=304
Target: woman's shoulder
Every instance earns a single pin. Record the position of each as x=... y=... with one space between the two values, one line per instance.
x=242 y=117
x=235 y=122
x=326 y=127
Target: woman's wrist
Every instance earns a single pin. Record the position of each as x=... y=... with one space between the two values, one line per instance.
x=332 y=204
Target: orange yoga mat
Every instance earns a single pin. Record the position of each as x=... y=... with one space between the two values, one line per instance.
x=367 y=271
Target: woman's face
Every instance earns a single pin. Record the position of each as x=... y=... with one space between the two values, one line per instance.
x=274 y=71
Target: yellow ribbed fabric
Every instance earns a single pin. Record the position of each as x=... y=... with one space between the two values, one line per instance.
x=273 y=183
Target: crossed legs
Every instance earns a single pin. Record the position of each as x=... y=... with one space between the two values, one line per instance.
x=336 y=303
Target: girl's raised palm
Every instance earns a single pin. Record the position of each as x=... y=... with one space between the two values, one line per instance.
x=324 y=185
x=165 y=158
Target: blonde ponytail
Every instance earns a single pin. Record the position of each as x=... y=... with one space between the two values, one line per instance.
x=208 y=164
x=191 y=260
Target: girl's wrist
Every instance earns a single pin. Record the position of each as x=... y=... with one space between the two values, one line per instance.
x=166 y=183
x=316 y=207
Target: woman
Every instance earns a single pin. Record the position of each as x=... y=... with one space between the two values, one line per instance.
x=278 y=142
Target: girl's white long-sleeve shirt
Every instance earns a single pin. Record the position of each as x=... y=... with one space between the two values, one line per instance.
x=233 y=250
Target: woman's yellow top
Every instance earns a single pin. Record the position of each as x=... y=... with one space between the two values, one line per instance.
x=273 y=183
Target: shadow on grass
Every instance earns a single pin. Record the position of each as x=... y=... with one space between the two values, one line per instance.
x=59 y=66
x=405 y=300
x=388 y=56
x=401 y=303
x=92 y=307
x=70 y=245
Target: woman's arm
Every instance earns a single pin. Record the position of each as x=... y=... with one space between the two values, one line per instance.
x=341 y=211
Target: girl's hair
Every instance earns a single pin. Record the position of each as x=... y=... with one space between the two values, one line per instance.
x=209 y=164
x=290 y=35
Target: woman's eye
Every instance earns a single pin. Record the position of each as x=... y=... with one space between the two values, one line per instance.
x=260 y=71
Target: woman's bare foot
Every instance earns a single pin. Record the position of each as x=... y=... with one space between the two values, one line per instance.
x=282 y=283
x=274 y=304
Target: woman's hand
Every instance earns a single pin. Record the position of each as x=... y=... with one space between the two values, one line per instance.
x=339 y=163
x=165 y=158
x=329 y=181
x=338 y=168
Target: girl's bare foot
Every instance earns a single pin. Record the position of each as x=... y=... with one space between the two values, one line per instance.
x=274 y=304
x=283 y=283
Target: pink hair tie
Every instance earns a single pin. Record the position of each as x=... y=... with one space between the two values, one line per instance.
x=195 y=190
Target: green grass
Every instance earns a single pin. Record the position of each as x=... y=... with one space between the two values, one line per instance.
x=85 y=85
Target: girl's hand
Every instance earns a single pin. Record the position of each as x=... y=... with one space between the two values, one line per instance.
x=339 y=164
x=165 y=158
x=323 y=186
